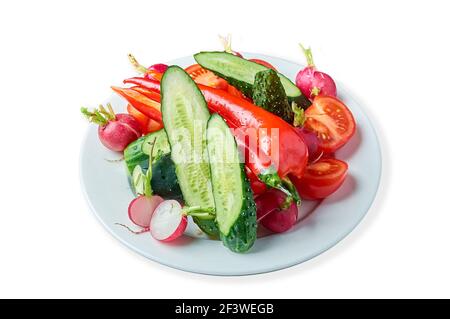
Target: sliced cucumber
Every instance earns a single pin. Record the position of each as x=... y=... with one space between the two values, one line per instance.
x=137 y=153
x=158 y=142
x=240 y=73
x=235 y=207
x=185 y=116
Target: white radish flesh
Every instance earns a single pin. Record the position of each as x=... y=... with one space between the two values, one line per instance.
x=168 y=221
x=141 y=209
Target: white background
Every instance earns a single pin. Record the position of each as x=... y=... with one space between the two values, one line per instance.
x=56 y=56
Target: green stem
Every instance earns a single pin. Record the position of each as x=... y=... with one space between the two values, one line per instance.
x=148 y=181
x=308 y=54
x=95 y=116
x=111 y=111
x=272 y=179
x=299 y=114
x=198 y=211
x=315 y=91
x=292 y=189
x=99 y=116
x=137 y=66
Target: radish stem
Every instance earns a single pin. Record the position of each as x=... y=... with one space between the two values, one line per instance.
x=137 y=66
x=226 y=43
x=299 y=115
x=315 y=91
x=308 y=54
x=95 y=116
x=291 y=187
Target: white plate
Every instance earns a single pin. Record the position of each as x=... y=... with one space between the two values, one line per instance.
x=107 y=190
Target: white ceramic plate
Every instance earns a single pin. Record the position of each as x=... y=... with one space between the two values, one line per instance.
x=327 y=222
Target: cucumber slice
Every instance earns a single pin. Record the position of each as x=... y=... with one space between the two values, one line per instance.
x=137 y=153
x=241 y=73
x=185 y=115
x=235 y=207
x=158 y=142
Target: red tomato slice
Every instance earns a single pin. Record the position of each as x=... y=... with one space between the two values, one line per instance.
x=321 y=178
x=206 y=77
x=262 y=62
x=332 y=122
x=141 y=118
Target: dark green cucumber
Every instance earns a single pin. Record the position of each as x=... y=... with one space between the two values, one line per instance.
x=208 y=226
x=235 y=207
x=268 y=93
x=241 y=73
x=164 y=179
x=185 y=116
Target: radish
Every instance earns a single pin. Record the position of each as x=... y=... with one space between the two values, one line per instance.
x=312 y=82
x=153 y=72
x=115 y=131
x=312 y=142
x=271 y=216
x=169 y=219
x=141 y=209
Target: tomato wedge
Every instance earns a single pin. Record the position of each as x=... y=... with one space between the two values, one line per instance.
x=332 y=122
x=206 y=77
x=262 y=62
x=321 y=178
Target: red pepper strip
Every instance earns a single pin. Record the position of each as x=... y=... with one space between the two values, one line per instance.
x=151 y=85
x=239 y=113
x=150 y=94
x=292 y=150
x=141 y=103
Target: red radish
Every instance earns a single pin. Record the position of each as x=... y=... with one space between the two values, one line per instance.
x=226 y=42
x=115 y=131
x=141 y=209
x=312 y=82
x=281 y=220
x=169 y=219
x=271 y=216
x=153 y=72
x=312 y=142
